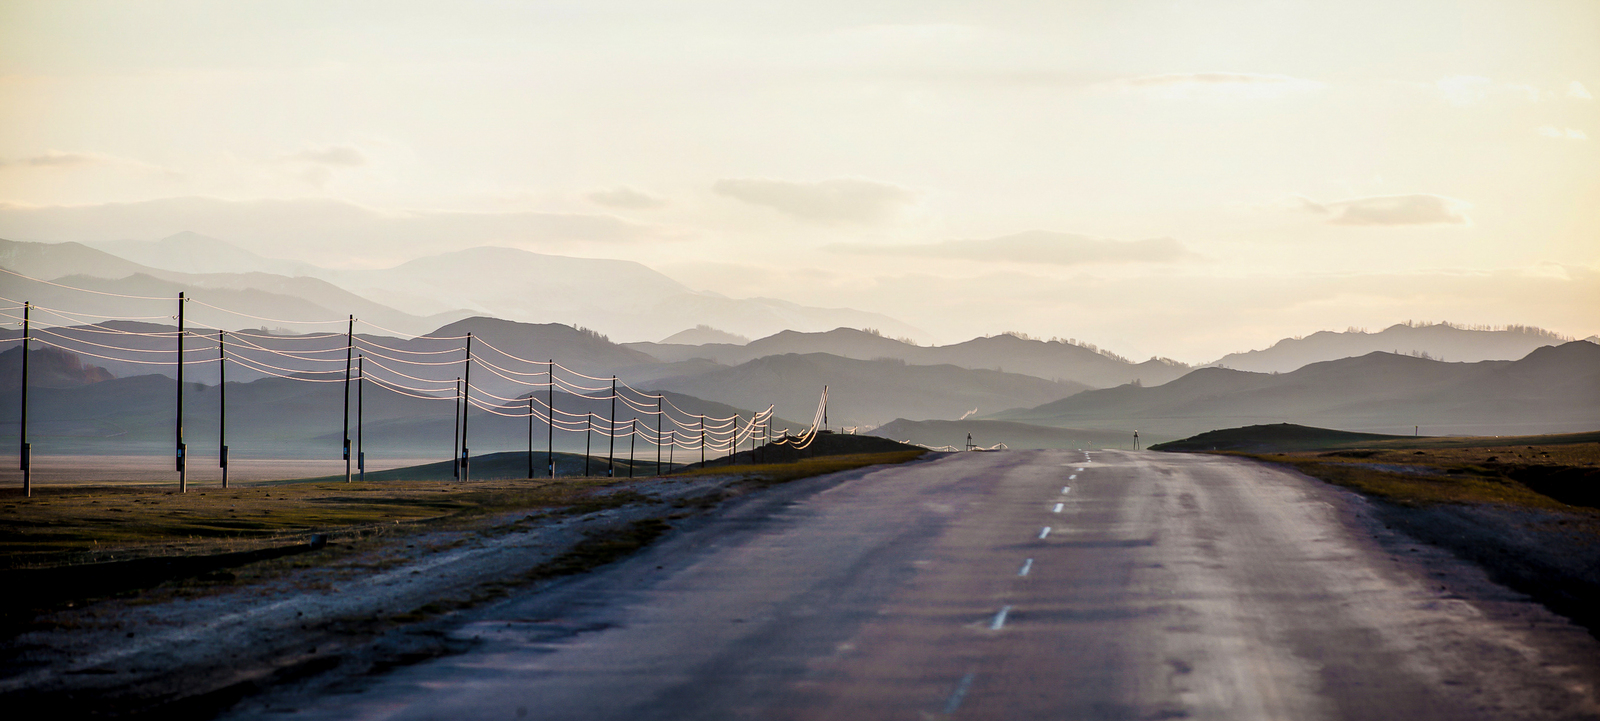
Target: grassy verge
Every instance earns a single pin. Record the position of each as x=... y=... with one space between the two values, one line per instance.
x=85 y=524
x=77 y=543
x=1553 y=477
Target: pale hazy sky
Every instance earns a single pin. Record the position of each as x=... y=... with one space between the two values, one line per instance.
x=1174 y=178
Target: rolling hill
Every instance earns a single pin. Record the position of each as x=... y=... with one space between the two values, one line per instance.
x=1439 y=341
x=1051 y=360
x=989 y=433
x=866 y=392
x=1553 y=389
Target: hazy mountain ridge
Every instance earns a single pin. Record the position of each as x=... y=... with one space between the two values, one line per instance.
x=48 y=368
x=196 y=254
x=1439 y=341
x=866 y=392
x=1050 y=360
x=287 y=418
x=1552 y=389
x=251 y=296
x=989 y=433
x=619 y=297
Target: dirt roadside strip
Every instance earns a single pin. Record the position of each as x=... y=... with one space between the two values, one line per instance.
x=194 y=652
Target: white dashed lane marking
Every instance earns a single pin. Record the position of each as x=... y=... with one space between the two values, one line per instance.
x=999 y=621
x=1044 y=532
x=1026 y=567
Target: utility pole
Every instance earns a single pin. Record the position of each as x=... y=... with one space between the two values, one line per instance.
x=222 y=402
x=183 y=461
x=658 y=435
x=550 y=439
x=633 y=436
x=588 y=441
x=702 y=440
x=611 y=455
x=824 y=408
x=455 y=437
x=466 y=410
x=27 y=449
x=530 y=436
x=361 y=397
x=674 y=435
x=349 y=348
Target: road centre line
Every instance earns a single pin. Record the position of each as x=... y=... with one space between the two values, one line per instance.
x=1059 y=506
x=1073 y=477
x=1066 y=489
x=1044 y=532
x=1027 y=566
x=960 y=693
x=999 y=619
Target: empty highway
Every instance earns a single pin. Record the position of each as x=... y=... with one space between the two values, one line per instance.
x=1013 y=585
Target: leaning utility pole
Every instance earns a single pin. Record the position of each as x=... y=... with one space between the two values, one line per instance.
x=27 y=449
x=349 y=348
x=222 y=403
x=183 y=464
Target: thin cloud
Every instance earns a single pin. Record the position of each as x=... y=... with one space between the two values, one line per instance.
x=55 y=159
x=1187 y=85
x=1576 y=91
x=1414 y=209
x=312 y=228
x=627 y=198
x=837 y=201
x=1036 y=246
x=1467 y=90
x=338 y=156
x=1563 y=133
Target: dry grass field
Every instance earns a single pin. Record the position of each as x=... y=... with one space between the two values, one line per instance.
x=76 y=524
x=1564 y=476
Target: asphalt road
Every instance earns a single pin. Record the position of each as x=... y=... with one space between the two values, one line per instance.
x=1016 y=585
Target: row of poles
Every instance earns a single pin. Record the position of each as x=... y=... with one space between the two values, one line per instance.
x=460 y=457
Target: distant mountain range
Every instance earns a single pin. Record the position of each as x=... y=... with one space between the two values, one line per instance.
x=1052 y=360
x=254 y=299
x=866 y=392
x=77 y=409
x=987 y=434
x=1553 y=389
x=616 y=297
x=1439 y=341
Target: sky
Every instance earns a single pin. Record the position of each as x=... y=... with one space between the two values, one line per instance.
x=1182 y=179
